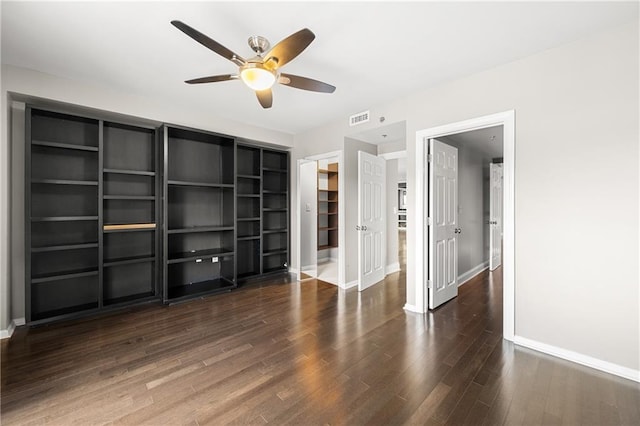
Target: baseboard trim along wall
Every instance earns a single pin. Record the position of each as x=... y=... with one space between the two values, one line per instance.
x=411 y=308
x=394 y=267
x=5 y=334
x=463 y=278
x=351 y=284
x=578 y=358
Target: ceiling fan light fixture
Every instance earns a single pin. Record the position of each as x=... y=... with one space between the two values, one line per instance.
x=257 y=77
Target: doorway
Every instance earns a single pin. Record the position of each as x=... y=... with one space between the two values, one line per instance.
x=507 y=121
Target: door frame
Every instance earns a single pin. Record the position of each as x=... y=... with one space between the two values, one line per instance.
x=507 y=120
x=341 y=211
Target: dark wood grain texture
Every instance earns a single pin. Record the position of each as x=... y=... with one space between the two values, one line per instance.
x=283 y=352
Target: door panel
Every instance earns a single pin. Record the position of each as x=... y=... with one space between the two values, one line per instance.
x=372 y=220
x=443 y=241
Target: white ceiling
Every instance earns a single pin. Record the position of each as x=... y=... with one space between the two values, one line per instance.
x=373 y=52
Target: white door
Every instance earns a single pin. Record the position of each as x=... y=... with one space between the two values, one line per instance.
x=495 y=216
x=372 y=223
x=308 y=218
x=443 y=228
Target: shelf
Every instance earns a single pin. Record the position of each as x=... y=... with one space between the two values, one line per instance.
x=284 y=210
x=248 y=274
x=129 y=172
x=63 y=247
x=274 y=192
x=272 y=169
x=248 y=219
x=272 y=252
x=129 y=227
x=248 y=238
x=202 y=287
x=66 y=182
x=248 y=195
x=328 y=172
x=65 y=146
x=62 y=218
x=130 y=197
x=189 y=256
x=201 y=184
x=133 y=297
x=328 y=190
x=64 y=311
x=277 y=268
x=200 y=229
x=327 y=201
x=86 y=272
x=249 y=177
x=327 y=213
x=274 y=231
x=128 y=260
x=326 y=247
x=328 y=228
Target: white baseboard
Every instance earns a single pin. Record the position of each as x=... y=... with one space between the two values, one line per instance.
x=5 y=334
x=394 y=267
x=351 y=284
x=598 y=364
x=463 y=278
x=411 y=308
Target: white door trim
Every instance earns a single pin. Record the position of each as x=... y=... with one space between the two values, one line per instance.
x=507 y=120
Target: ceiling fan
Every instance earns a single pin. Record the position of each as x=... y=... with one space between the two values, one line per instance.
x=262 y=71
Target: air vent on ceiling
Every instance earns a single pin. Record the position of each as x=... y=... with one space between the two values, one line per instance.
x=359 y=118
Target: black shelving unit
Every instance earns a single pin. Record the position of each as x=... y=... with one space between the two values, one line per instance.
x=62 y=209
x=131 y=212
x=248 y=208
x=199 y=213
x=275 y=211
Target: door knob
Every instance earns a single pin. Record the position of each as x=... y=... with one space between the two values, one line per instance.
x=458 y=231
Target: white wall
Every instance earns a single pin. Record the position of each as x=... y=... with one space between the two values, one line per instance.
x=28 y=85
x=576 y=164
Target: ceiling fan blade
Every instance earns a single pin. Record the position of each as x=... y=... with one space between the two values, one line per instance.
x=209 y=43
x=305 y=83
x=265 y=97
x=289 y=48
x=212 y=79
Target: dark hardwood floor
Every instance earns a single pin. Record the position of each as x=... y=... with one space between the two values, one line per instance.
x=283 y=352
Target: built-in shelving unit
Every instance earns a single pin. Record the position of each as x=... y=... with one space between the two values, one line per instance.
x=121 y=213
x=402 y=205
x=328 y=207
x=275 y=211
x=199 y=213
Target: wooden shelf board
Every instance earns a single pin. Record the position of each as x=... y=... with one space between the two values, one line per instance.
x=60 y=313
x=248 y=219
x=274 y=231
x=257 y=177
x=129 y=226
x=272 y=252
x=130 y=298
x=130 y=197
x=248 y=238
x=326 y=247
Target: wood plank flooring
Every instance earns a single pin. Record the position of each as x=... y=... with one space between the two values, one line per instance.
x=282 y=352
